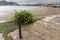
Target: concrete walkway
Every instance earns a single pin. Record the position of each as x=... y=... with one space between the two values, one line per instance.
x=39 y=30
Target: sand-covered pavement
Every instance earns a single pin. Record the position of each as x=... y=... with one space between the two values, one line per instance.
x=40 y=30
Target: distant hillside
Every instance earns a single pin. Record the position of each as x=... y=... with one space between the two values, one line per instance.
x=16 y=4
x=8 y=3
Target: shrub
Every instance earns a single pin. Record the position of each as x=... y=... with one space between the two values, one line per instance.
x=26 y=17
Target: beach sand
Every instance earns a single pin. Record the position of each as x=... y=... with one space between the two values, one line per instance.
x=36 y=12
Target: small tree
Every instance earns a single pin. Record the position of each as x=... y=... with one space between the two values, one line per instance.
x=26 y=17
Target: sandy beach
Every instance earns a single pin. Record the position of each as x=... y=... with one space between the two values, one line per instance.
x=5 y=15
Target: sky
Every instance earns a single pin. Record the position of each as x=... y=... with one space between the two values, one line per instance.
x=34 y=1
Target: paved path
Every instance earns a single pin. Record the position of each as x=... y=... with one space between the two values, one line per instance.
x=39 y=30
x=1 y=36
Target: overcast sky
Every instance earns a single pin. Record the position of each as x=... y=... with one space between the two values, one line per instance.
x=34 y=1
